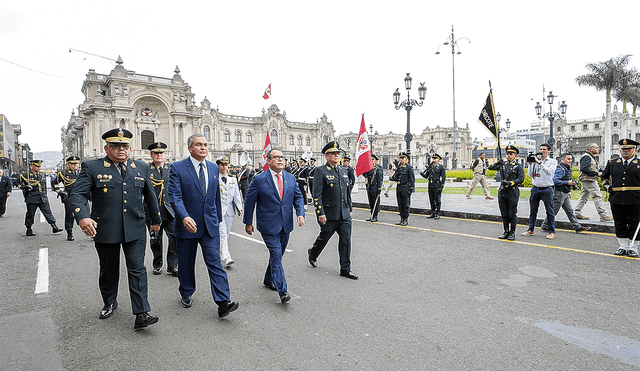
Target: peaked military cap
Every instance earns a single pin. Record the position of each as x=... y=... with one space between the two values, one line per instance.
x=158 y=147
x=37 y=163
x=403 y=154
x=303 y=160
x=118 y=135
x=222 y=160
x=512 y=148
x=435 y=155
x=628 y=143
x=346 y=158
x=374 y=157
x=312 y=159
x=73 y=160
x=332 y=146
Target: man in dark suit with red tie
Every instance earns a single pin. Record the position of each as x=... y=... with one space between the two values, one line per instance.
x=274 y=192
x=195 y=197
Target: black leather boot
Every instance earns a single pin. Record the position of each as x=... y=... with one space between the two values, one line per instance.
x=70 y=235
x=30 y=232
x=55 y=228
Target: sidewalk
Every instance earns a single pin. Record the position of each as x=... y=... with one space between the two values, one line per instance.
x=457 y=205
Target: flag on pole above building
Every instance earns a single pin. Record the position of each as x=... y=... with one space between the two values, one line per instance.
x=488 y=116
x=267 y=92
x=363 y=151
x=265 y=150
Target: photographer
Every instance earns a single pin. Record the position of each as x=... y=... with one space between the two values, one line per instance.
x=541 y=171
x=562 y=193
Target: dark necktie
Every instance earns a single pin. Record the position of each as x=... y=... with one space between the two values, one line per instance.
x=203 y=182
x=626 y=162
x=123 y=169
x=161 y=172
x=224 y=179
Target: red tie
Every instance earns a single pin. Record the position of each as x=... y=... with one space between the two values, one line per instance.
x=280 y=185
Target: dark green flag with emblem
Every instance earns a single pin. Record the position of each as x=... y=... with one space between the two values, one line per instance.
x=488 y=116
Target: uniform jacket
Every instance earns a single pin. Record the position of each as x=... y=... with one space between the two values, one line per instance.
x=117 y=204
x=331 y=195
x=5 y=185
x=187 y=198
x=625 y=181
x=272 y=213
x=230 y=193
x=38 y=192
x=352 y=176
x=160 y=185
x=512 y=173
x=405 y=177
x=436 y=174
x=245 y=177
x=375 y=178
x=68 y=179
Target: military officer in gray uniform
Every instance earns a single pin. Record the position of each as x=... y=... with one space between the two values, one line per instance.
x=119 y=187
x=437 y=175
x=160 y=181
x=67 y=178
x=406 y=184
x=508 y=194
x=34 y=189
x=332 y=202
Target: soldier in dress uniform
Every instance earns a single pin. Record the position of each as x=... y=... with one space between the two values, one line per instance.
x=312 y=172
x=437 y=176
x=375 y=178
x=406 y=185
x=625 y=196
x=350 y=171
x=231 y=203
x=303 y=178
x=34 y=189
x=245 y=175
x=160 y=181
x=508 y=194
x=332 y=202
x=118 y=187
x=68 y=178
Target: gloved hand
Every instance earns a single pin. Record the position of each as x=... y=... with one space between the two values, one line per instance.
x=506 y=183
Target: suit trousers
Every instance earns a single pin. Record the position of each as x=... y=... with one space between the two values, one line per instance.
x=109 y=256
x=3 y=204
x=157 y=246
x=210 y=245
x=343 y=228
x=45 y=209
x=225 y=228
x=277 y=244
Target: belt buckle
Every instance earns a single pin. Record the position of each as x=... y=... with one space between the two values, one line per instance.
x=624 y=188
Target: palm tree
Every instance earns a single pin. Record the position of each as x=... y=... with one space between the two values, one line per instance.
x=624 y=92
x=605 y=76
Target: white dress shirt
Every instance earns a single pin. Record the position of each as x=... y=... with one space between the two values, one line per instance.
x=196 y=165
x=542 y=174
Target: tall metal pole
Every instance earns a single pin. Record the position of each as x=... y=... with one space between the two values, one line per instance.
x=453 y=72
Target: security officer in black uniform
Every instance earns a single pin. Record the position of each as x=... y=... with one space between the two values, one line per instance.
x=68 y=178
x=119 y=187
x=332 y=202
x=625 y=196
x=406 y=184
x=350 y=171
x=375 y=178
x=303 y=177
x=312 y=172
x=437 y=176
x=512 y=175
x=34 y=189
x=160 y=182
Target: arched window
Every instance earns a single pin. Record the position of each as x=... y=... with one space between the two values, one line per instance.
x=614 y=139
x=299 y=140
x=325 y=139
x=249 y=137
x=206 y=131
x=290 y=140
x=274 y=136
x=146 y=138
x=384 y=146
x=227 y=136
x=238 y=136
x=615 y=124
x=308 y=141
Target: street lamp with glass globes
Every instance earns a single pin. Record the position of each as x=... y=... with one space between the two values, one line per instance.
x=551 y=116
x=408 y=105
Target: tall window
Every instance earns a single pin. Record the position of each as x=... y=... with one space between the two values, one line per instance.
x=206 y=131
x=614 y=139
x=238 y=136
x=308 y=141
x=291 y=140
x=325 y=139
x=299 y=140
x=146 y=138
x=274 y=136
x=249 y=137
x=227 y=136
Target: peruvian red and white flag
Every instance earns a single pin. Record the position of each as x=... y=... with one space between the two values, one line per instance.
x=363 y=152
x=265 y=150
x=267 y=92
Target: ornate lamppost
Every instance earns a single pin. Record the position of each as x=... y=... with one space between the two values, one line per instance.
x=408 y=105
x=551 y=116
x=451 y=40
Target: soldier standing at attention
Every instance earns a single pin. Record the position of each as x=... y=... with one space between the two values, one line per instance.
x=406 y=184
x=302 y=178
x=350 y=171
x=34 y=189
x=160 y=181
x=625 y=196
x=375 y=178
x=312 y=171
x=68 y=178
x=437 y=175
x=509 y=193
x=119 y=187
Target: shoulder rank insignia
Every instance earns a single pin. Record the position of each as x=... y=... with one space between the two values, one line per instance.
x=153 y=167
x=618 y=160
x=328 y=167
x=133 y=165
x=107 y=164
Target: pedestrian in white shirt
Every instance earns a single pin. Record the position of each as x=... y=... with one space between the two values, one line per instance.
x=231 y=203
x=541 y=171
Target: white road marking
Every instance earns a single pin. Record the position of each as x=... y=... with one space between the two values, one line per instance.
x=42 y=279
x=42 y=218
x=247 y=238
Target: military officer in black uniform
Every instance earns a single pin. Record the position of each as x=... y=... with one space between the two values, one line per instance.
x=312 y=172
x=68 y=178
x=34 y=189
x=437 y=176
x=406 y=185
x=512 y=175
x=332 y=202
x=160 y=180
x=119 y=187
x=375 y=178
x=625 y=196
x=350 y=171
x=302 y=178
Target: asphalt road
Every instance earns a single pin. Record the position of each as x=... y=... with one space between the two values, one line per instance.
x=444 y=295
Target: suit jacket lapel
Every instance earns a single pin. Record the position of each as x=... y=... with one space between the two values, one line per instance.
x=194 y=175
x=213 y=178
x=272 y=185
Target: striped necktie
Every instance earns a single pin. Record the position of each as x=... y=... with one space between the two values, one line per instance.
x=203 y=182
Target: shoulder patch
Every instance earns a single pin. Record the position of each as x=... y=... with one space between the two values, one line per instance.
x=107 y=164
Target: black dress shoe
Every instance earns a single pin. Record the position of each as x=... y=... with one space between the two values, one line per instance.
x=70 y=236
x=511 y=236
x=620 y=251
x=144 y=320
x=368 y=220
x=107 y=310
x=436 y=217
x=349 y=274
x=172 y=271
x=404 y=222
x=186 y=302
x=227 y=307
x=374 y=220
x=270 y=285
x=504 y=235
x=30 y=232
x=284 y=297
x=431 y=216
x=54 y=228
x=157 y=271
x=313 y=262
x=632 y=253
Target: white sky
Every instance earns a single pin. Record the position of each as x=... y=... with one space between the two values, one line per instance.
x=340 y=58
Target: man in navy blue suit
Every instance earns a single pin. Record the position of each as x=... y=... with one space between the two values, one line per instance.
x=275 y=192
x=195 y=197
